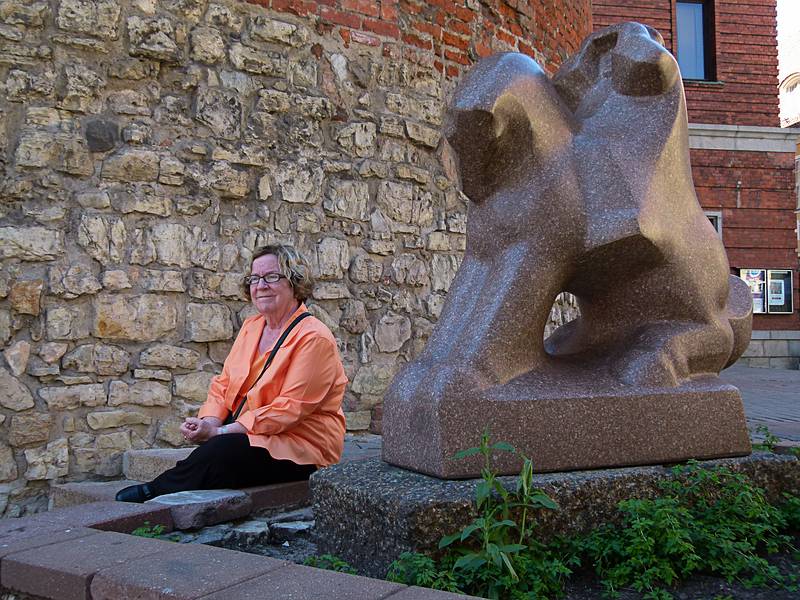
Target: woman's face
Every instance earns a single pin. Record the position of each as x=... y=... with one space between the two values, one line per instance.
x=271 y=299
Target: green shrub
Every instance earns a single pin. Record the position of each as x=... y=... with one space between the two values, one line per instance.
x=770 y=439
x=149 y=531
x=710 y=521
x=330 y=563
x=417 y=569
x=790 y=509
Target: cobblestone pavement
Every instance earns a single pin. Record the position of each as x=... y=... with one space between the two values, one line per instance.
x=771 y=397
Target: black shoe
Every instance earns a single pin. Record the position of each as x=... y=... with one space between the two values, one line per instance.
x=139 y=493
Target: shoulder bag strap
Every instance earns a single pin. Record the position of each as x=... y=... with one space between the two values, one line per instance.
x=272 y=354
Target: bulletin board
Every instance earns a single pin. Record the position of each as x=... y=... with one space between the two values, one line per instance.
x=779 y=291
x=756 y=279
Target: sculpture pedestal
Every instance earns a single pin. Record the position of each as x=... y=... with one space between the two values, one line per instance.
x=367 y=512
x=566 y=425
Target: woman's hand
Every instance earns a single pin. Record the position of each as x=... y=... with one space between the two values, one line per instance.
x=199 y=430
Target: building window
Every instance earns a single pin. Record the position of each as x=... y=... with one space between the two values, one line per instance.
x=695 y=39
x=715 y=217
x=789 y=94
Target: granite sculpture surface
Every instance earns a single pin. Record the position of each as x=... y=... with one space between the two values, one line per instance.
x=579 y=183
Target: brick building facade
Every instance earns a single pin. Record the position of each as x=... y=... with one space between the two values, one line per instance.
x=743 y=163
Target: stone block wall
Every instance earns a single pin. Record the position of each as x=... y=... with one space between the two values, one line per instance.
x=148 y=147
x=773 y=350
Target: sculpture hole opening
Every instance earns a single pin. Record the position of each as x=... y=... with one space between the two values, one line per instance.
x=564 y=310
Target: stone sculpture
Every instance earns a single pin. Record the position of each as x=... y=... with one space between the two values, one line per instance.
x=582 y=184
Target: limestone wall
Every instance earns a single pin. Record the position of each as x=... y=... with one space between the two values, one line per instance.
x=147 y=147
x=773 y=349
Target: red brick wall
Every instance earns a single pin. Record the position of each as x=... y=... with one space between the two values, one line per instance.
x=452 y=34
x=746 y=55
x=656 y=13
x=758 y=232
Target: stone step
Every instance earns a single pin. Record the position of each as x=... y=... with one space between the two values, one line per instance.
x=193 y=509
x=200 y=508
x=146 y=465
x=72 y=494
x=189 y=510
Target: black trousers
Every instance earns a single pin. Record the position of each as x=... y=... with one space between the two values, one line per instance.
x=228 y=461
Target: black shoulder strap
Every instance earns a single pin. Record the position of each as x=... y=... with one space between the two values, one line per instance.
x=272 y=354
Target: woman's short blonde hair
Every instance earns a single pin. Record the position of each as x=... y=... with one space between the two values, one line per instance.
x=292 y=264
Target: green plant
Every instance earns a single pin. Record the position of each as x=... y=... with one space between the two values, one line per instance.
x=149 y=531
x=417 y=569
x=770 y=439
x=496 y=555
x=712 y=521
x=790 y=509
x=330 y=563
x=651 y=548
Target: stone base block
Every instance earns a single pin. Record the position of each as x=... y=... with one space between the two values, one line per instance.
x=368 y=512
x=568 y=425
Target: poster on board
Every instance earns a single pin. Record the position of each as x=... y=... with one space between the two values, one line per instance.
x=756 y=280
x=776 y=294
x=779 y=291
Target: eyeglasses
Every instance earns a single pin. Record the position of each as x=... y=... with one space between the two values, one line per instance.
x=267 y=278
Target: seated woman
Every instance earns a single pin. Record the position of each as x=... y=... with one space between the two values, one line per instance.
x=291 y=421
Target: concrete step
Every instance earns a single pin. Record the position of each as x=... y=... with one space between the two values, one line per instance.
x=146 y=465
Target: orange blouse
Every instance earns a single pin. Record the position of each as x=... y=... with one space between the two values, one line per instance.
x=295 y=409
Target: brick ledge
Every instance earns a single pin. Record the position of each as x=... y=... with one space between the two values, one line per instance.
x=61 y=555
x=747 y=138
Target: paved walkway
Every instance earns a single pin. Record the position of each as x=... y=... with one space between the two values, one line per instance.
x=361 y=445
x=771 y=397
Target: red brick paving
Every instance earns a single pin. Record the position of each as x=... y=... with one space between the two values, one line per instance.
x=308 y=583
x=181 y=571
x=63 y=571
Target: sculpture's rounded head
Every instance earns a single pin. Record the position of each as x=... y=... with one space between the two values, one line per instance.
x=629 y=58
x=490 y=77
x=473 y=116
x=504 y=108
x=641 y=66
